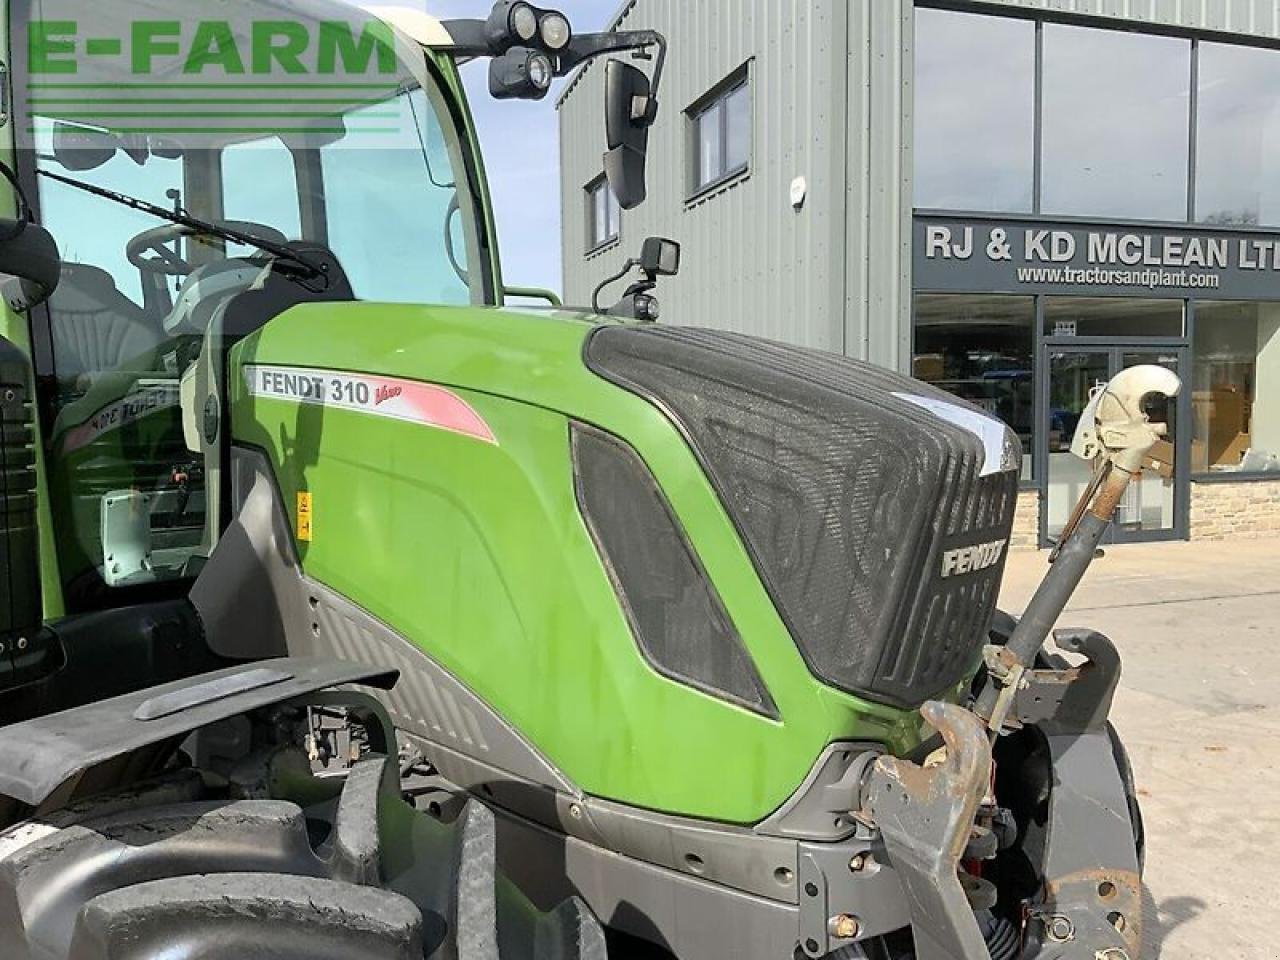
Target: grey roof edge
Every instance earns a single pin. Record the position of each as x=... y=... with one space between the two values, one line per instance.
x=614 y=23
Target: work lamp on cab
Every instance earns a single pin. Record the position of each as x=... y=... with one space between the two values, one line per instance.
x=521 y=74
x=529 y=46
x=511 y=23
x=524 y=22
x=555 y=31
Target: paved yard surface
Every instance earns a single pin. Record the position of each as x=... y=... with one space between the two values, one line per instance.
x=1198 y=626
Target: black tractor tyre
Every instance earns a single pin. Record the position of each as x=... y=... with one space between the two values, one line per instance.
x=163 y=872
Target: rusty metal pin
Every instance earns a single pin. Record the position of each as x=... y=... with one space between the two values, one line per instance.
x=844 y=926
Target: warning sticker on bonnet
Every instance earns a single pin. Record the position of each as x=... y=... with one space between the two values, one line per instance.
x=409 y=400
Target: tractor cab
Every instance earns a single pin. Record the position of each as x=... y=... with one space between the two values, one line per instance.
x=330 y=130
x=380 y=181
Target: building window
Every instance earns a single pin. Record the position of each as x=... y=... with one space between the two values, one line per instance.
x=981 y=348
x=1113 y=317
x=1116 y=124
x=1238 y=135
x=1235 y=395
x=721 y=133
x=604 y=216
x=974 y=112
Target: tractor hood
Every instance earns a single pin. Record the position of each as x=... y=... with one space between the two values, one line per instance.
x=877 y=510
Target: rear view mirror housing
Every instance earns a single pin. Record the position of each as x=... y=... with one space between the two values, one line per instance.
x=30 y=265
x=80 y=148
x=630 y=109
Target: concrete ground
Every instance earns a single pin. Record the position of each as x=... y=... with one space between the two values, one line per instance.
x=1198 y=626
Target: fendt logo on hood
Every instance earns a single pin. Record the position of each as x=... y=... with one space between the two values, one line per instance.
x=981 y=556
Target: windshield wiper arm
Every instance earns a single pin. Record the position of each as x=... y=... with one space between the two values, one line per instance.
x=280 y=251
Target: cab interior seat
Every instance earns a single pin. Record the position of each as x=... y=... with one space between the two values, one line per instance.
x=97 y=330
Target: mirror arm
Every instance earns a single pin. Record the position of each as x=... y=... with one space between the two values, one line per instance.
x=469 y=38
x=590 y=45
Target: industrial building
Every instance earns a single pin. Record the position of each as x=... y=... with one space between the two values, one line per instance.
x=1013 y=200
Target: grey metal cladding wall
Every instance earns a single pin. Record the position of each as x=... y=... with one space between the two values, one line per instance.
x=1258 y=18
x=878 y=158
x=751 y=262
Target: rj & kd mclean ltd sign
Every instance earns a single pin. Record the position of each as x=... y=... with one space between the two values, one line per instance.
x=1019 y=256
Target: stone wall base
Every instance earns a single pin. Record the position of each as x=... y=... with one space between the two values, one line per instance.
x=1235 y=511
x=1249 y=510
x=1026 y=522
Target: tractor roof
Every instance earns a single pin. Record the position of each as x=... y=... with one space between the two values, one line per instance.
x=202 y=62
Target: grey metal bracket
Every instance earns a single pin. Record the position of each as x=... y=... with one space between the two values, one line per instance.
x=1063 y=699
x=1091 y=904
x=925 y=816
x=814 y=908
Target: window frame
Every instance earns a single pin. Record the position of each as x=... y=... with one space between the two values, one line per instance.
x=717 y=97
x=1040 y=17
x=1198 y=156
x=600 y=185
x=1194 y=309
x=1037 y=64
x=1189 y=125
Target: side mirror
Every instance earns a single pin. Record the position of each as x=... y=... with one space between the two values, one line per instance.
x=660 y=257
x=87 y=148
x=630 y=109
x=30 y=265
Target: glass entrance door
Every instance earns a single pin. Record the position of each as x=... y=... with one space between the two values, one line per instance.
x=1152 y=507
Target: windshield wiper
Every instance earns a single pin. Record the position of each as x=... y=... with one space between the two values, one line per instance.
x=287 y=256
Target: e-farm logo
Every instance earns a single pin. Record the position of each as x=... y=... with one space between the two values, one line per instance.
x=215 y=76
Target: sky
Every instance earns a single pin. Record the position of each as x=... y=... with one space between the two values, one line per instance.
x=521 y=143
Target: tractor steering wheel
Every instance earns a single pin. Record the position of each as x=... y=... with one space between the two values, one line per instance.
x=163 y=260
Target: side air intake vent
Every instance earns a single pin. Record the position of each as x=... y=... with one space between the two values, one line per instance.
x=677 y=617
x=877 y=509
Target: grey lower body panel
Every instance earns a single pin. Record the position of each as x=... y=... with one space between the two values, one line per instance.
x=692 y=918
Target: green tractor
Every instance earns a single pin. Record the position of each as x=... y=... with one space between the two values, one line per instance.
x=350 y=615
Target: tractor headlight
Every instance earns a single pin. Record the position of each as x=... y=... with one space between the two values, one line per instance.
x=523 y=22
x=555 y=30
x=541 y=72
x=521 y=73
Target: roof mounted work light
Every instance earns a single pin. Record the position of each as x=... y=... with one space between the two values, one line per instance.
x=515 y=23
x=521 y=74
x=530 y=46
x=555 y=31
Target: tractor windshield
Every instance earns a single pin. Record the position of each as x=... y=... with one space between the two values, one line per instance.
x=321 y=126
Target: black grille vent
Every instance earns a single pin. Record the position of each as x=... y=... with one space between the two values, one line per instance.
x=677 y=617
x=848 y=495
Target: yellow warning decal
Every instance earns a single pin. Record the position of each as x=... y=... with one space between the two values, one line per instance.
x=304 y=516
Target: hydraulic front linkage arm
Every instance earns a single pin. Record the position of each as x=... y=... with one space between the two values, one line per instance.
x=926 y=814
x=1116 y=435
